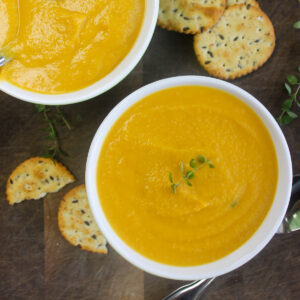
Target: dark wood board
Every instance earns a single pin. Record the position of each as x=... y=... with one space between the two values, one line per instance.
x=37 y=263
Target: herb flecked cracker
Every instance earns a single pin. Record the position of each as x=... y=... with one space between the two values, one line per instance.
x=76 y=222
x=238 y=44
x=36 y=177
x=247 y=2
x=189 y=16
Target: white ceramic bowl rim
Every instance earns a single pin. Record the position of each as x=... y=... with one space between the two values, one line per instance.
x=109 y=81
x=248 y=250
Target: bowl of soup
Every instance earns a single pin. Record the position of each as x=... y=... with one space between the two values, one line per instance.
x=189 y=177
x=69 y=51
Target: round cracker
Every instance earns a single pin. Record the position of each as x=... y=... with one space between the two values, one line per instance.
x=36 y=177
x=76 y=222
x=189 y=16
x=238 y=44
x=247 y=2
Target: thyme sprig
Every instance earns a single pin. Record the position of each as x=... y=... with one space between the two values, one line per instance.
x=287 y=115
x=292 y=86
x=54 y=149
x=195 y=164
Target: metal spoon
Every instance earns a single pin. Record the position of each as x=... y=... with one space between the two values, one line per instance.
x=3 y=60
x=291 y=222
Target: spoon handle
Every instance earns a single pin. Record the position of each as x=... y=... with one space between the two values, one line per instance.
x=188 y=290
x=3 y=61
x=291 y=222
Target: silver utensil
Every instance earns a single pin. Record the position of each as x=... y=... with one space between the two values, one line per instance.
x=3 y=60
x=291 y=222
x=191 y=291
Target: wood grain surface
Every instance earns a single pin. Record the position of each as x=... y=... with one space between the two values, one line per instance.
x=37 y=263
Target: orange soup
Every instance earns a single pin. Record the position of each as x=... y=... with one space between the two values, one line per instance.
x=228 y=196
x=63 y=46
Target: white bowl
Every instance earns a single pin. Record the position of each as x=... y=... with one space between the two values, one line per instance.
x=104 y=84
x=249 y=249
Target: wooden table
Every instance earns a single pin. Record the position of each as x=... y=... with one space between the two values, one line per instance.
x=37 y=263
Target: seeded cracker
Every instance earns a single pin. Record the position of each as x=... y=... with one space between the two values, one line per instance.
x=189 y=16
x=76 y=223
x=247 y=2
x=238 y=44
x=36 y=177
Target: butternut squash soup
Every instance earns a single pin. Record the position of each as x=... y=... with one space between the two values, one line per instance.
x=187 y=175
x=63 y=46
